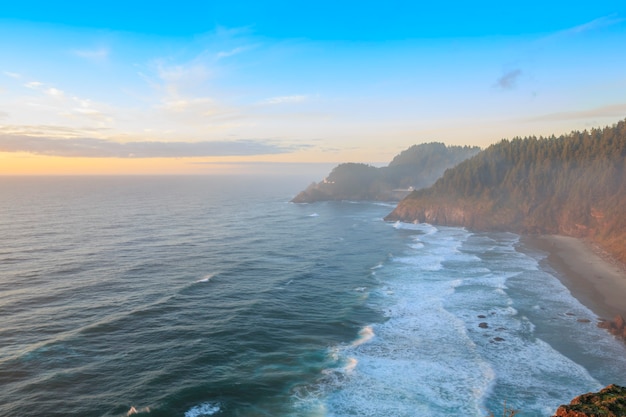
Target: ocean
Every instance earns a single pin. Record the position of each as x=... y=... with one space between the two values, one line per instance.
x=215 y=296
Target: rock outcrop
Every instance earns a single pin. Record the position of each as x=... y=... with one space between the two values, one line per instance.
x=573 y=185
x=617 y=326
x=416 y=167
x=471 y=213
x=608 y=402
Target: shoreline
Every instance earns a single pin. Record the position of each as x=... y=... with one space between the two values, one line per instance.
x=596 y=280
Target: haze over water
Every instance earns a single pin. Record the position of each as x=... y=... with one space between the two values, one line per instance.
x=198 y=296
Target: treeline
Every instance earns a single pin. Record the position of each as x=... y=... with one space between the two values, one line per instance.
x=574 y=184
x=416 y=167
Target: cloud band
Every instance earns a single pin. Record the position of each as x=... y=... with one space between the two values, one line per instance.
x=100 y=148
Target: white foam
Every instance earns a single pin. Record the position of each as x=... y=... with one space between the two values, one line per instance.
x=134 y=410
x=206 y=278
x=425 y=228
x=203 y=410
x=351 y=365
x=384 y=204
x=417 y=245
x=314 y=215
x=454 y=341
x=365 y=335
x=403 y=373
x=421 y=360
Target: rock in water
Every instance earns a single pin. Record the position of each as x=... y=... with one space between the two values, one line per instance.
x=617 y=326
x=608 y=402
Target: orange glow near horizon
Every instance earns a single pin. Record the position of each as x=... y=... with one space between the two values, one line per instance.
x=22 y=163
x=25 y=164
x=28 y=164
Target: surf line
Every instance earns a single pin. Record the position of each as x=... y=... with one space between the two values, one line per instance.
x=365 y=335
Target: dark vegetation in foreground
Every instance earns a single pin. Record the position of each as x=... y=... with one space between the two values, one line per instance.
x=608 y=402
x=414 y=168
x=573 y=185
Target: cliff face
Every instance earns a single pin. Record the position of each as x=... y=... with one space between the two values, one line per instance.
x=489 y=215
x=608 y=402
x=417 y=167
x=471 y=213
x=573 y=185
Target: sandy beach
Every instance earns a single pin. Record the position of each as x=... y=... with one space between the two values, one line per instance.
x=593 y=278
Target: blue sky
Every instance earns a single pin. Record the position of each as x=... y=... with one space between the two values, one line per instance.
x=301 y=81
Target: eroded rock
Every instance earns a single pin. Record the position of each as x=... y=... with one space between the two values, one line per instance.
x=608 y=402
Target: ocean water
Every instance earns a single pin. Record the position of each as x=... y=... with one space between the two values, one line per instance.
x=214 y=296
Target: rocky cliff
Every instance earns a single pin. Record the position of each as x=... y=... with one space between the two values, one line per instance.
x=574 y=185
x=416 y=167
x=464 y=212
x=608 y=402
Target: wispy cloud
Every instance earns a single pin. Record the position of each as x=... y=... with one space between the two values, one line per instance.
x=49 y=131
x=12 y=75
x=598 y=23
x=57 y=102
x=101 y=148
x=201 y=105
x=89 y=113
x=232 y=52
x=54 y=92
x=285 y=99
x=94 y=55
x=33 y=85
x=185 y=74
x=509 y=79
x=185 y=95
x=197 y=113
x=615 y=110
x=176 y=81
x=193 y=90
x=4 y=115
x=49 y=91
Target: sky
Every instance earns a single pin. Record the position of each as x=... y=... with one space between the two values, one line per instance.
x=207 y=87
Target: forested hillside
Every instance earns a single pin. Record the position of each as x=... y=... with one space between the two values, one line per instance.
x=573 y=184
x=416 y=167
